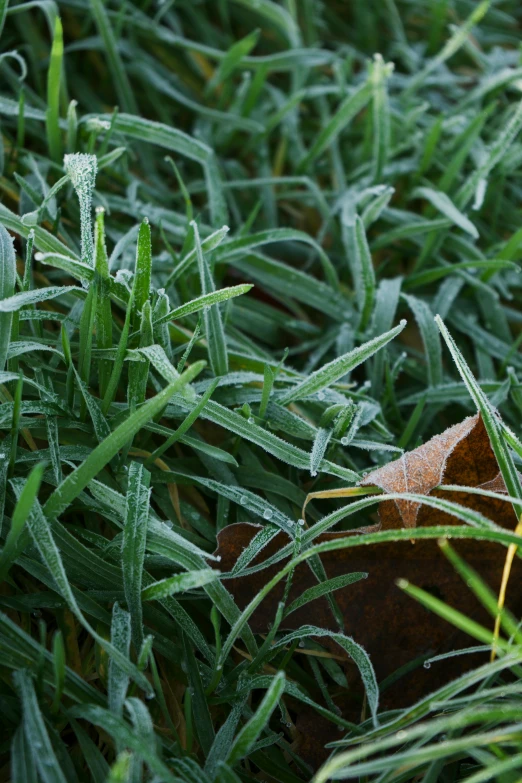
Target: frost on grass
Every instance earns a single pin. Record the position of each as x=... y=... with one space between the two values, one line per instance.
x=82 y=169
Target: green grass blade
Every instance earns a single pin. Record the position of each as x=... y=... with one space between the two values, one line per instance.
x=110 y=48
x=251 y=730
x=214 y=331
x=37 y=737
x=490 y=419
x=54 y=76
x=7 y=287
x=118 y=679
x=336 y=369
x=178 y=584
x=346 y=112
x=73 y=484
x=133 y=547
x=19 y=518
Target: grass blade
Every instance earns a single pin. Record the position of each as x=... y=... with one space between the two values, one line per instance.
x=54 y=77
x=73 y=484
x=336 y=369
x=133 y=548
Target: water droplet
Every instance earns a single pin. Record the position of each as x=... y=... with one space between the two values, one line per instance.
x=243 y=500
x=169 y=523
x=268 y=513
x=251 y=420
x=300 y=522
x=401 y=735
x=218 y=558
x=150 y=696
x=344 y=441
x=218 y=667
x=427 y=665
x=301 y=643
x=403 y=322
x=320 y=395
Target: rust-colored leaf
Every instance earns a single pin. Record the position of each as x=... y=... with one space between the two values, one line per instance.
x=392 y=627
x=460 y=455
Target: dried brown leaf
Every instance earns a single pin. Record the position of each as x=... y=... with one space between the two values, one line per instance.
x=392 y=627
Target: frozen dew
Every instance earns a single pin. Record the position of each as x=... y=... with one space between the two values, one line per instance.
x=300 y=522
x=243 y=500
x=82 y=169
x=344 y=441
x=267 y=513
x=427 y=664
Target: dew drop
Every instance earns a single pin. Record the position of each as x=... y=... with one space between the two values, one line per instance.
x=320 y=395
x=301 y=643
x=427 y=665
x=243 y=500
x=218 y=558
x=267 y=513
x=344 y=441
x=300 y=522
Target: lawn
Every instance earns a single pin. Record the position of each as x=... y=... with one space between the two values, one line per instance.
x=259 y=269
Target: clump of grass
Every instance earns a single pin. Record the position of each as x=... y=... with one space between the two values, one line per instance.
x=277 y=187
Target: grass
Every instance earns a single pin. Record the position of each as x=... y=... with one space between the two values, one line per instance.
x=234 y=223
